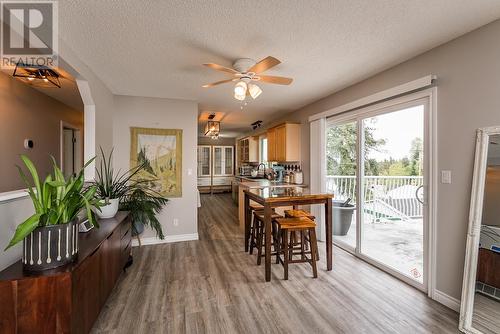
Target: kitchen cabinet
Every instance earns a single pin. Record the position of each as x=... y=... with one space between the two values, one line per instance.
x=283 y=143
x=223 y=160
x=271 y=144
x=215 y=168
x=204 y=160
x=249 y=149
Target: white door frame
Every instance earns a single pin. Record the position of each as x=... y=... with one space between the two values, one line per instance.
x=430 y=180
x=65 y=125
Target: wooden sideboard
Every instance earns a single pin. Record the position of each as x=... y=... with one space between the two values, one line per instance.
x=487 y=268
x=67 y=299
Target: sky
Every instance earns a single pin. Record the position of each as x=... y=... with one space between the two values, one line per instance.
x=398 y=129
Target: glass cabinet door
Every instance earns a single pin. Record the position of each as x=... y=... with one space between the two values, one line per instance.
x=217 y=160
x=228 y=160
x=204 y=155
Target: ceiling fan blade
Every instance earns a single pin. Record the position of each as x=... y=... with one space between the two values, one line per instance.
x=264 y=65
x=275 y=80
x=218 y=67
x=216 y=83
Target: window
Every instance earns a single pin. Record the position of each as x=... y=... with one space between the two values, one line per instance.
x=263 y=149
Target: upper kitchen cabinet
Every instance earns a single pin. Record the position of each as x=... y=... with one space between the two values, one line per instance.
x=249 y=149
x=283 y=143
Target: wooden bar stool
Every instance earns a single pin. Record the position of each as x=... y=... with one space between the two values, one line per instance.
x=283 y=244
x=258 y=234
x=251 y=237
x=296 y=213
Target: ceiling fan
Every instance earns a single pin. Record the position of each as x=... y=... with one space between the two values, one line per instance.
x=245 y=72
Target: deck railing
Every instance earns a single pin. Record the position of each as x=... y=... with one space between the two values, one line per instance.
x=383 y=195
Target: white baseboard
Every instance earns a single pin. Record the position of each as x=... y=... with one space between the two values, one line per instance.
x=168 y=239
x=447 y=300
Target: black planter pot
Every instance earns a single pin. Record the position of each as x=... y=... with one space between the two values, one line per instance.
x=50 y=247
x=137 y=228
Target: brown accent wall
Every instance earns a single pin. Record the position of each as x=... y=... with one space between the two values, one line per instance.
x=27 y=113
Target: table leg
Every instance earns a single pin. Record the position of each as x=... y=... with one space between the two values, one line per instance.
x=329 y=232
x=268 y=227
x=247 y=222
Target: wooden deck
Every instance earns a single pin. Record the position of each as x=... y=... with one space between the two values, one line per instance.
x=213 y=286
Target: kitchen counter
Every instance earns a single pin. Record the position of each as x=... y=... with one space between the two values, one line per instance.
x=250 y=183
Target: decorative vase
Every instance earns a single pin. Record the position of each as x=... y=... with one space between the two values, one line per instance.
x=108 y=210
x=49 y=247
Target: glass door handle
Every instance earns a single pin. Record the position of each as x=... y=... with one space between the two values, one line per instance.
x=417 y=195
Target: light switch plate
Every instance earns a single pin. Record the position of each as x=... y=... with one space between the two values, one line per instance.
x=190 y=171
x=446 y=176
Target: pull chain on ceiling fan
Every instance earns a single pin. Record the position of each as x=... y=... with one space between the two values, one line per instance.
x=245 y=72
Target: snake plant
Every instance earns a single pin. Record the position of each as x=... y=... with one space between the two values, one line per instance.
x=111 y=185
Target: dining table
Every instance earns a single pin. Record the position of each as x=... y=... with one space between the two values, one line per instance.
x=273 y=197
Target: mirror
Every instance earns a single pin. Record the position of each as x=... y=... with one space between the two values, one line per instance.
x=480 y=309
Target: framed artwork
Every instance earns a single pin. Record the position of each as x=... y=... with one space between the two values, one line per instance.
x=160 y=150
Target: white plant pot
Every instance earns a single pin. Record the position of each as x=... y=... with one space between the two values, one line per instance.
x=109 y=210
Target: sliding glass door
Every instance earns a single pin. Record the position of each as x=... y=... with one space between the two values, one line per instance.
x=341 y=171
x=377 y=162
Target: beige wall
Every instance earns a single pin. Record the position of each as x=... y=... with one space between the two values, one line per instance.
x=163 y=114
x=27 y=113
x=468 y=70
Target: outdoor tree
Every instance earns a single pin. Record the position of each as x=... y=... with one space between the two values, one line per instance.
x=416 y=154
x=341 y=150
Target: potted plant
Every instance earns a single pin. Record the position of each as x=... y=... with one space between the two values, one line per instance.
x=143 y=205
x=111 y=187
x=50 y=235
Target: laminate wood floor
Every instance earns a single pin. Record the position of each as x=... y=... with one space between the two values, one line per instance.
x=213 y=286
x=486 y=314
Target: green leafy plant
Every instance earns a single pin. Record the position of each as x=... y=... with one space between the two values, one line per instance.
x=56 y=200
x=132 y=190
x=143 y=205
x=111 y=186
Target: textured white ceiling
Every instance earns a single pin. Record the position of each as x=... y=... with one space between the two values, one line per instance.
x=156 y=48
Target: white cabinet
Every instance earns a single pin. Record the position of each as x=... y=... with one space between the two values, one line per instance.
x=223 y=160
x=204 y=160
x=215 y=167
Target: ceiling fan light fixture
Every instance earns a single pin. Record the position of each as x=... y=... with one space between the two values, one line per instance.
x=240 y=90
x=254 y=90
x=239 y=97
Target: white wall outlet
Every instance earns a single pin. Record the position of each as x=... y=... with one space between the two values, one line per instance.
x=446 y=176
x=190 y=171
x=176 y=222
